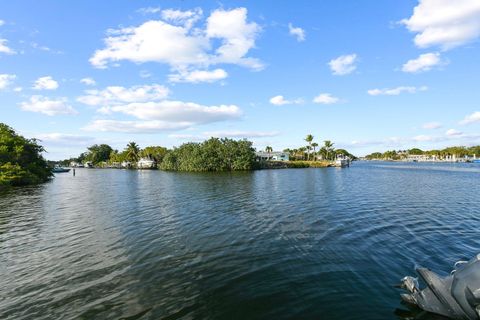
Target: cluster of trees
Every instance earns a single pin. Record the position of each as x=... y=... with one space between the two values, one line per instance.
x=457 y=151
x=103 y=154
x=309 y=152
x=21 y=160
x=211 y=155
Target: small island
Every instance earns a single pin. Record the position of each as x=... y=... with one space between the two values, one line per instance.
x=214 y=154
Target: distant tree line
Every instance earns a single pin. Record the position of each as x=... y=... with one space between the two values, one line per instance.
x=21 y=160
x=457 y=151
x=310 y=153
x=213 y=154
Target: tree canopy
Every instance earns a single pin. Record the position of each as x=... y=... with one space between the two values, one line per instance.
x=21 y=160
x=211 y=155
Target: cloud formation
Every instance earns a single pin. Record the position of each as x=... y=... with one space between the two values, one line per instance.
x=471 y=118
x=88 y=81
x=114 y=95
x=325 y=98
x=297 y=32
x=45 y=105
x=280 y=101
x=45 y=83
x=396 y=91
x=197 y=76
x=226 y=39
x=424 y=62
x=134 y=126
x=343 y=65
x=6 y=80
x=4 y=48
x=444 y=23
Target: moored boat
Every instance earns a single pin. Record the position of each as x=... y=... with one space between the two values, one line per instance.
x=58 y=169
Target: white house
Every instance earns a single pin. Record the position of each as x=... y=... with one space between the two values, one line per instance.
x=145 y=163
x=272 y=156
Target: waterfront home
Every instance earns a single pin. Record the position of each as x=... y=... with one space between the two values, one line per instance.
x=126 y=164
x=146 y=163
x=88 y=164
x=116 y=165
x=75 y=164
x=272 y=156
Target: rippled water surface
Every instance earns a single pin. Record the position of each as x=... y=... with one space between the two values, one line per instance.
x=272 y=244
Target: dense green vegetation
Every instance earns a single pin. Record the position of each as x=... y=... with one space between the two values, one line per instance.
x=458 y=152
x=21 y=160
x=211 y=155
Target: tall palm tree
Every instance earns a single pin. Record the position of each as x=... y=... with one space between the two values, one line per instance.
x=133 y=151
x=328 y=148
x=309 y=139
x=314 y=146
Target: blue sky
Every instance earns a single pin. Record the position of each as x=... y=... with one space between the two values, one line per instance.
x=368 y=75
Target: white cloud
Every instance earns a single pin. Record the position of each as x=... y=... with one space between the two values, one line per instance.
x=453 y=132
x=396 y=91
x=2 y=23
x=6 y=80
x=64 y=139
x=185 y=18
x=149 y=10
x=471 y=118
x=326 y=98
x=280 y=101
x=197 y=76
x=179 y=111
x=88 y=81
x=424 y=62
x=4 y=48
x=422 y=138
x=227 y=38
x=297 y=32
x=444 y=23
x=134 y=126
x=115 y=95
x=45 y=105
x=432 y=125
x=343 y=65
x=45 y=83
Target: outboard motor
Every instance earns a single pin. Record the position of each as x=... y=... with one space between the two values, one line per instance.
x=456 y=296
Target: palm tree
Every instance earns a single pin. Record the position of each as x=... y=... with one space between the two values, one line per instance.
x=302 y=152
x=328 y=147
x=268 y=149
x=132 y=151
x=314 y=145
x=309 y=139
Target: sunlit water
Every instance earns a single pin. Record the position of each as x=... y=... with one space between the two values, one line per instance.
x=272 y=244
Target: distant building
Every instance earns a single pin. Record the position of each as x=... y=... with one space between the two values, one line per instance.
x=272 y=156
x=126 y=164
x=145 y=163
